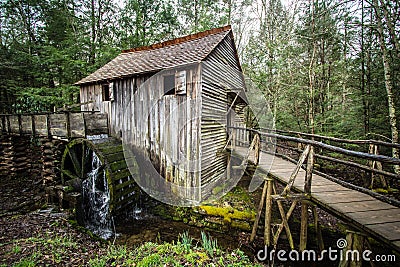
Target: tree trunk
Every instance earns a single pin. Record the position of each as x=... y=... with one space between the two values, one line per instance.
x=311 y=75
x=391 y=28
x=388 y=83
x=93 y=33
x=363 y=93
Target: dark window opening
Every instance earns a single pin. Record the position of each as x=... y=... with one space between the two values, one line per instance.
x=106 y=92
x=169 y=85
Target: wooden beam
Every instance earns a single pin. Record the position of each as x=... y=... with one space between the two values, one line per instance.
x=309 y=171
x=268 y=212
x=259 y=210
x=293 y=176
x=303 y=226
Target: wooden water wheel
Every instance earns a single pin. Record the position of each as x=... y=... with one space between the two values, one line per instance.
x=77 y=166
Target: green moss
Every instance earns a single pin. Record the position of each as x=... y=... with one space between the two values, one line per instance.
x=242 y=225
x=385 y=190
x=217 y=190
x=68 y=189
x=228 y=213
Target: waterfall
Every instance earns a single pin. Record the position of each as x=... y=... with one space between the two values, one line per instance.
x=96 y=200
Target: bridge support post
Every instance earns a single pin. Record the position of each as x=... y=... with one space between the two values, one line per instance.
x=303 y=226
x=304 y=204
x=259 y=210
x=355 y=242
x=268 y=212
x=320 y=241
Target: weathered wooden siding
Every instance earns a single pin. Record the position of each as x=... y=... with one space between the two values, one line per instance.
x=183 y=135
x=91 y=95
x=221 y=74
x=166 y=127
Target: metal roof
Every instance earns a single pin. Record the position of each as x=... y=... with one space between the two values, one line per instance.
x=181 y=51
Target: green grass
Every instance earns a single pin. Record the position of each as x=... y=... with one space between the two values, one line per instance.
x=183 y=253
x=56 y=249
x=209 y=244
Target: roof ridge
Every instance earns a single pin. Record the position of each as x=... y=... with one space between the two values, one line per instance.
x=179 y=40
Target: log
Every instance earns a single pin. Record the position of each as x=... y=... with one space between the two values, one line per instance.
x=355 y=242
x=318 y=232
x=303 y=226
x=363 y=155
x=338 y=140
x=344 y=162
x=309 y=170
x=259 y=210
x=293 y=176
x=268 y=212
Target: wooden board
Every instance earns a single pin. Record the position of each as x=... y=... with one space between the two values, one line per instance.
x=366 y=213
x=96 y=123
x=371 y=205
x=41 y=127
x=390 y=231
x=376 y=217
x=26 y=124
x=328 y=188
x=341 y=197
x=58 y=125
x=77 y=125
x=14 y=124
x=397 y=244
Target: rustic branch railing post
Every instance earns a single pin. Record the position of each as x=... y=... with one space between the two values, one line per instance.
x=318 y=232
x=304 y=204
x=309 y=170
x=293 y=176
x=259 y=210
x=303 y=225
x=268 y=212
x=355 y=241
x=373 y=149
x=257 y=148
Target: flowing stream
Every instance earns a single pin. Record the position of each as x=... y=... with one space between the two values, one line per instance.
x=96 y=200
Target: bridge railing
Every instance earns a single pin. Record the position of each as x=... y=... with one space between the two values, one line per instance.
x=373 y=165
x=63 y=125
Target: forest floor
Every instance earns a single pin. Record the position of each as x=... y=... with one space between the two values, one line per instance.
x=34 y=234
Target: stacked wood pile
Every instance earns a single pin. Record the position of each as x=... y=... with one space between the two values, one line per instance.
x=36 y=158
x=32 y=144
x=51 y=160
x=6 y=154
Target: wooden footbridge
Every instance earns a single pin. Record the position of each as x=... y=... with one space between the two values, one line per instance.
x=364 y=210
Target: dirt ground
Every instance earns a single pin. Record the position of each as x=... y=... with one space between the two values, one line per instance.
x=28 y=229
x=35 y=234
x=32 y=231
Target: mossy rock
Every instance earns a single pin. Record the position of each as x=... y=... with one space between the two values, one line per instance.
x=228 y=213
x=235 y=210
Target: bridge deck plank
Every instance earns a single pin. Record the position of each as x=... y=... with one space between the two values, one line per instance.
x=391 y=231
x=377 y=218
x=371 y=205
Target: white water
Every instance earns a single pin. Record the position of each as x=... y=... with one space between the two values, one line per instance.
x=96 y=200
